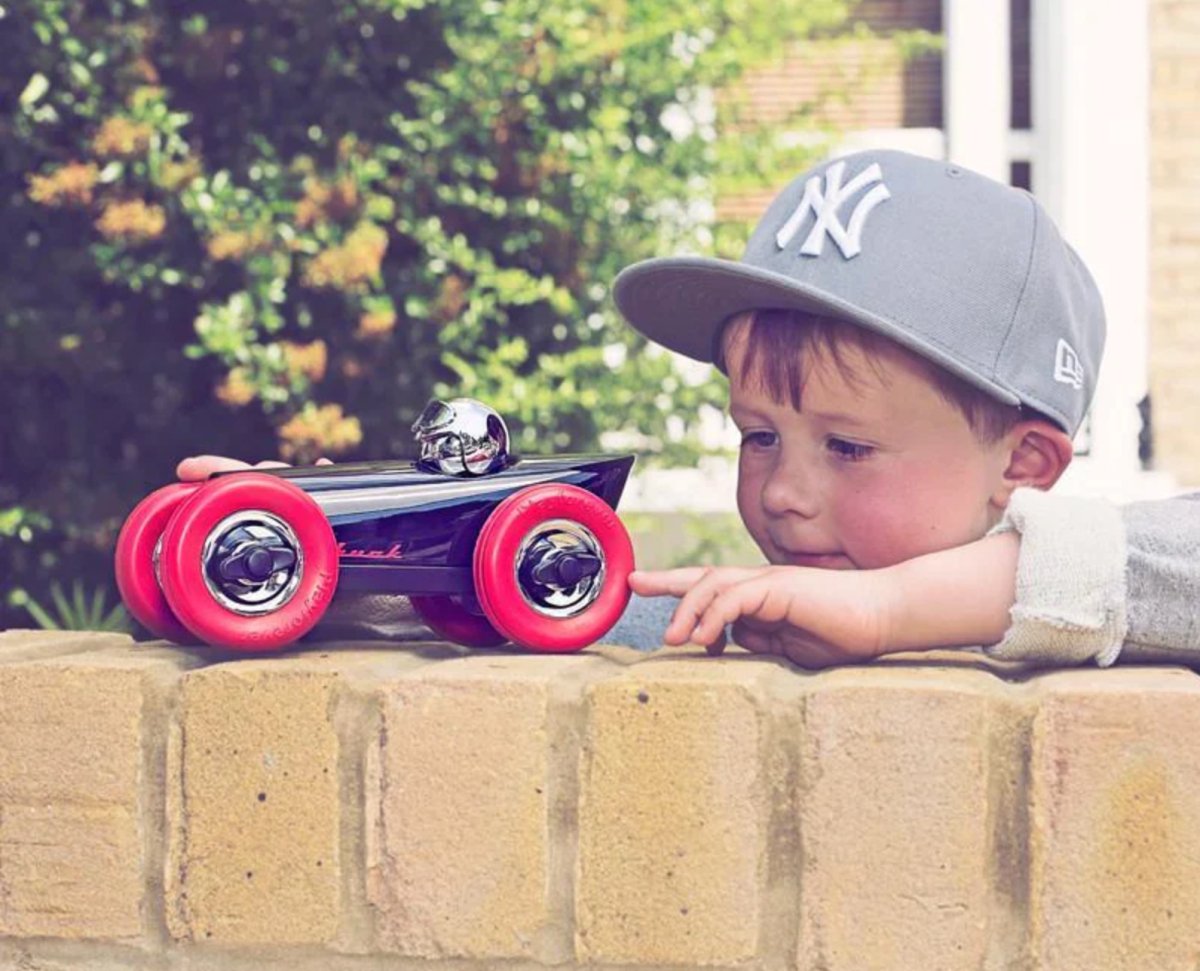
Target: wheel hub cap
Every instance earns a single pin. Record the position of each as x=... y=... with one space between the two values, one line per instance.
x=560 y=568
x=252 y=562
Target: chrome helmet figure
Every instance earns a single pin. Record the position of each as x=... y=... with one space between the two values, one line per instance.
x=462 y=437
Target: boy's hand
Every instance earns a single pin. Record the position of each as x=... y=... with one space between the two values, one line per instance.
x=199 y=467
x=815 y=618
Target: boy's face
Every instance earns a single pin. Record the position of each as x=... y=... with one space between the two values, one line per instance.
x=865 y=475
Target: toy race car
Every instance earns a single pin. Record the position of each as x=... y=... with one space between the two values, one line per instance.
x=489 y=547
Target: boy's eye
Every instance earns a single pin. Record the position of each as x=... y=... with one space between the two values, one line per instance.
x=848 y=451
x=759 y=439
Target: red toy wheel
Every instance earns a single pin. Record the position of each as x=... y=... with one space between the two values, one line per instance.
x=250 y=563
x=455 y=623
x=134 y=561
x=551 y=568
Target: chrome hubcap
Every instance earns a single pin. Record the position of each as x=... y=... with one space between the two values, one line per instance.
x=252 y=562
x=156 y=556
x=560 y=568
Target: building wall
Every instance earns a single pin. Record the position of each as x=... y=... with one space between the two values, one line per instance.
x=423 y=806
x=848 y=83
x=886 y=92
x=1175 y=236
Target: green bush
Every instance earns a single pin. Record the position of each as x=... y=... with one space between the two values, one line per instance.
x=277 y=227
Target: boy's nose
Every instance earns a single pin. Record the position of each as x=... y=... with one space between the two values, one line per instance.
x=791 y=488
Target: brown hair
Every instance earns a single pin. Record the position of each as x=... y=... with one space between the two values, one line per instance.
x=780 y=341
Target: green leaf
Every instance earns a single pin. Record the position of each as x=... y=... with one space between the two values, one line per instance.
x=61 y=604
x=37 y=86
x=95 y=612
x=40 y=617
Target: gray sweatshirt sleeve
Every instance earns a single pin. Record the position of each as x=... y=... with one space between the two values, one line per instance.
x=1096 y=581
x=1163 y=579
x=643 y=623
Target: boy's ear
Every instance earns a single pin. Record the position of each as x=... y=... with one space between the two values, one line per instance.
x=1038 y=453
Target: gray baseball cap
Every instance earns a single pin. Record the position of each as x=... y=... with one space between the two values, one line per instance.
x=958 y=268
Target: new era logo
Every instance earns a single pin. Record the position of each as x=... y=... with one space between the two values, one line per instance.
x=1067 y=367
x=825 y=203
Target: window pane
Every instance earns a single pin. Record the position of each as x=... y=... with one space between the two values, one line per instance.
x=1022 y=102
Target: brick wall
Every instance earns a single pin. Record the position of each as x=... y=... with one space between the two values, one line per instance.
x=424 y=807
x=846 y=83
x=1175 y=236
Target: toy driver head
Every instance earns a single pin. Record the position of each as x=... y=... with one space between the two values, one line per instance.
x=461 y=437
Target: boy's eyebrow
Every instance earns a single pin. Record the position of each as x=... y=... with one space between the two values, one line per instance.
x=740 y=413
x=737 y=412
x=838 y=416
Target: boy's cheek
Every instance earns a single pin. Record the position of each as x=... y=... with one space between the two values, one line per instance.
x=749 y=505
x=758 y=533
x=890 y=531
x=751 y=478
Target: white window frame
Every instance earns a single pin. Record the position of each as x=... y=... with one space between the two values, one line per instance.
x=1089 y=158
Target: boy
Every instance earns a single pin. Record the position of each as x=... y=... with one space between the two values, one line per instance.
x=910 y=347
x=909 y=354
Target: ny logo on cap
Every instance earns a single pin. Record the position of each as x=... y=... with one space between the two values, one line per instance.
x=826 y=204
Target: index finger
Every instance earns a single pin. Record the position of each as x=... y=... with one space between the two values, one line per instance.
x=666 y=583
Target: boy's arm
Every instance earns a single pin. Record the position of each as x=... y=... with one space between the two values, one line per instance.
x=1163 y=580
x=1061 y=580
x=1095 y=581
x=817 y=618
x=957 y=597
x=1070 y=594
x=1047 y=586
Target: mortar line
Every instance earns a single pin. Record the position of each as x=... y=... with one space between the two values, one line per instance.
x=781 y=758
x=153 y=823
x=355 y=714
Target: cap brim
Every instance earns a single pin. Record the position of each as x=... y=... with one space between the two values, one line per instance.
x=682 y=301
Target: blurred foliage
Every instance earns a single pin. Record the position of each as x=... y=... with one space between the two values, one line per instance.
x=277 y=227
x=78 y=612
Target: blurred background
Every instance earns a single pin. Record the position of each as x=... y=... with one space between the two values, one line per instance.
x=276 y=228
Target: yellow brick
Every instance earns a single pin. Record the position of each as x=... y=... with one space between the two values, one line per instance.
x=69 y=871
x=1175 y=198
x=71 y=821
x=253 y=796
x=463 y=765
x=1185 y=469
x=1179 y=20
x=20 y=637
x=673 y=816
x=1173 y=264
x=21 y=645
x=894 y=821
x=1115 y=821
